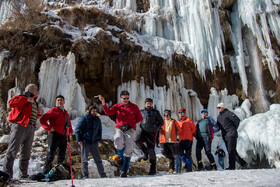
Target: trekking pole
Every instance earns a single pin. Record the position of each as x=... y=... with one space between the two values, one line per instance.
x=66 y=130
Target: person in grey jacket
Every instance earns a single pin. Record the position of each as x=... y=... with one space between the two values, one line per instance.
x=228 y=123
x=88 y=134
x=152 y=121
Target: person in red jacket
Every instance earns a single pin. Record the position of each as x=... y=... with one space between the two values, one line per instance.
x=168 y=138
x=23 y=117
x=57 y=117
x=186 y=138
x=128 y=115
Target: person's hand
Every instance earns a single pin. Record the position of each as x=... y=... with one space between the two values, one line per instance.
x=99 y=144
x=30 y=99
x=101 y=98
x=40 y=111
x=52 y=129
x=80 y=143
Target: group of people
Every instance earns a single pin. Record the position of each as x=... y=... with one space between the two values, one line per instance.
x=176 y=137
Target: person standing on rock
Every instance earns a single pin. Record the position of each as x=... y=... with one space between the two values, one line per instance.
x=88 y=134
x=152 y=121
x=204 y=136
x=23 y=117
x=128 y=115
x=57 y=117
x=228 y=123
x=186 y=138
x=169 y=133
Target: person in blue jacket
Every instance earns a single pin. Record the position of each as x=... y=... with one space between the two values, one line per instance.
x=89 y=133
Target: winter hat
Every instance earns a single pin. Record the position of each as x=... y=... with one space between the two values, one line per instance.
x=222 y=105
x=204 y=111
x=167 y=112
x=182 y=110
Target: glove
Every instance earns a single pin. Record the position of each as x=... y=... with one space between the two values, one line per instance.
x=125 y=127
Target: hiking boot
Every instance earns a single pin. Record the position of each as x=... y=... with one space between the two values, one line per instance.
x=213 y=166
x=116 y=161
x=200 y=166
x=153 y=169
x=170 y=171
x=152 y=172
x=123 y=175
x=146 y=157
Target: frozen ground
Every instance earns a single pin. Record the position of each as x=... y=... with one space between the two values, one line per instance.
x=260 y=177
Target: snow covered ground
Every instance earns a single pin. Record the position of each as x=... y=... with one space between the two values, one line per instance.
x=261 y=177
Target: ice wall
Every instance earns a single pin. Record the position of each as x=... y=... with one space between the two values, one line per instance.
x=57 y=77
x=215 y=98
x=174 y=98
x=259 y=135
x=6 y=10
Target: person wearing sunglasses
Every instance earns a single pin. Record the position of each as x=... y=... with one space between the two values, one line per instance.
x=228 y=123
x=186 y=138
x=168 y=138
x=204 y=136
x=149 y=127
x=128 y=115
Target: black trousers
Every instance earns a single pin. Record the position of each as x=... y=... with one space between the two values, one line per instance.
x=185 y=147
x=232 y=153
x=56 y=142
x=202 y=142
x=168 y=152
x=146 y=142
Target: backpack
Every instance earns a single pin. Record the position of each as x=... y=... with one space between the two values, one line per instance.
x=59 y=172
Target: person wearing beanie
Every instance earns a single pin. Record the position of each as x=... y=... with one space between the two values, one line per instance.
x=168 y=138
x=204 y=136
x=89 y=134
x=228 y=123
x=128 y=115
x=186 y=138
x=149 y=127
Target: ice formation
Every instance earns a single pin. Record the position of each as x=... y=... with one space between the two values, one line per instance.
x=173 y=98
x=259 y=135
x=57 y=77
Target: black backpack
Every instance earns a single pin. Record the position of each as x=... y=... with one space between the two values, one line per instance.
x=59 y=172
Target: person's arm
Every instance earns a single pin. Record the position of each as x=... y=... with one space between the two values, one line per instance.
x=44 y=120
x=19 y=101
x=139 y=117
x=159 y=119
x=79 y=130
x=100 y=131
x=216 y=152
x=179 y=129
x=107 y=111
x=234 y=119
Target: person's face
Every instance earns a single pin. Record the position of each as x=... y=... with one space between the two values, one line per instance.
x=60 y=102
x=149 y=105
x=203 y=114
x=93 y=112
x=167 y=116
x=34 y=92
x=181 y=114
x=220 y=109
x=125 y=99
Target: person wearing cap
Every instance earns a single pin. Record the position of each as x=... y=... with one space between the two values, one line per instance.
x=168 y=138
x=149 y=127
x=128 y=115
x=89 y=134
x=204 y=136
x=228 y=123
x=186 y=138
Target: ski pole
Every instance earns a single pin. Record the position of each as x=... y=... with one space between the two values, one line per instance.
x=67 y=129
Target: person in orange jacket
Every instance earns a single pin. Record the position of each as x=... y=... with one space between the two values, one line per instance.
x=186 y=138
x=168 y=138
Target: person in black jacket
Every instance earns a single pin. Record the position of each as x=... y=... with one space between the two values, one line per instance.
x=228 y=123
x=221 y=155
x=149 y=127
x=88 y=134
